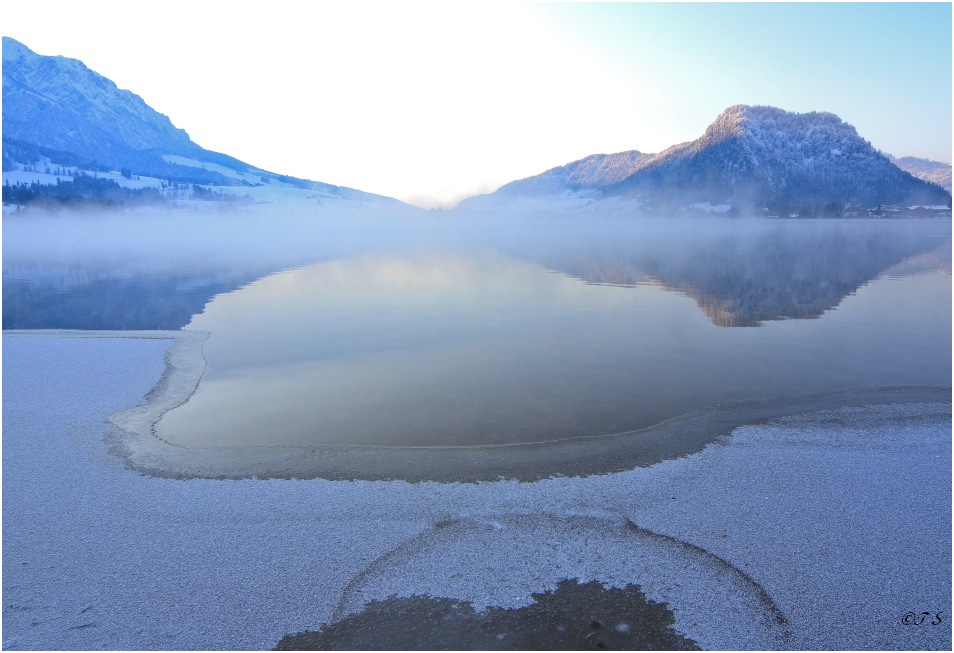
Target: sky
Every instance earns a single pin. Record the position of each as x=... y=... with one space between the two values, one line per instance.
x=433 y=102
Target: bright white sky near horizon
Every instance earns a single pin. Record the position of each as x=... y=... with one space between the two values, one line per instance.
x=433 y=102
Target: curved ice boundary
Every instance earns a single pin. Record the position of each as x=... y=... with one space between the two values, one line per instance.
x=452 y=559
x=132 y=436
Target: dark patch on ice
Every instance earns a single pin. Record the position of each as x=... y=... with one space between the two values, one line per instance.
x=576 y=616
x=453 y=558
x=776 y=612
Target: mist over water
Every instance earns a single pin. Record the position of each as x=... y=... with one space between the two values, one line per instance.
x=75 y=271
x=443 y=330
x=155 y=270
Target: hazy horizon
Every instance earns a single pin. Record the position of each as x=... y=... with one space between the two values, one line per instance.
x=430 y=103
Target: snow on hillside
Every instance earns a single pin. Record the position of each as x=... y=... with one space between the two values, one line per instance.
x=238 y=175
x=751 y=159
x=764 y=156
x=60 y=118
x=600 y=170
x=54 y=100
x=777 y=145
x=569 y=186
x=935 y=172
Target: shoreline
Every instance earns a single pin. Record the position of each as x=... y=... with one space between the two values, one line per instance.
x=840 y=516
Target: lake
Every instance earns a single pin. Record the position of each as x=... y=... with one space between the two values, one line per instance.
x=450 y=345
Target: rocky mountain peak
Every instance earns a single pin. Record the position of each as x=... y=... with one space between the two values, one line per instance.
x=64 y=104
x=13 y=49
x=751 y=159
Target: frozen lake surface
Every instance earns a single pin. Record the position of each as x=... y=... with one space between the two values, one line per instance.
x=804 y=365
x=96 y=557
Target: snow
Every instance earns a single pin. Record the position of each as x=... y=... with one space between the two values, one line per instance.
x=271 y=193
x=67 y=86
x=280 y=193
x=599 y=170
x=14 y=49
x=13 y=177
x=135 y=182
x=28 y=176
x=842 y=517
x=710 y=208
x=786 y=155
x=213 y=167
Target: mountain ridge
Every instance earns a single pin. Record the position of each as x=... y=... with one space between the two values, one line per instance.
x=593 y=171
x=750 y=159
x=60 y=113
x=765 y=156
x=935 y=172
x=60 y=104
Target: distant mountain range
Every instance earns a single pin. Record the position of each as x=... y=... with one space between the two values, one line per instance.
x=62 y=120
x=595 y=172
x=750 y=160
x=932 y=171
x=69 y=132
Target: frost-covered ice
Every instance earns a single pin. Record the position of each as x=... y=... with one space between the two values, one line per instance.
x=838 y=521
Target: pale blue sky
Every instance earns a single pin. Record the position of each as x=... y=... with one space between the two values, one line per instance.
x=883 y=67
x=430 y=102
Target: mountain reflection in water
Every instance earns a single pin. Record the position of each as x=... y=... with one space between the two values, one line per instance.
x=742 y=274
x=461 y=346
x=739 y=272
x=436 y=333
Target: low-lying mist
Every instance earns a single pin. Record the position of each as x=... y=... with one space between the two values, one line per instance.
x=156 y=269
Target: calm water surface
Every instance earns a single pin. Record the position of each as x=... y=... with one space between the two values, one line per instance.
x=510 y=334
x=475 y=348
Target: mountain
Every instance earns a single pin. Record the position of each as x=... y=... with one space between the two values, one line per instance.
x=594 y=172
x=59 y=116
x=750 y=160
x=766 y=157
x=932 y=171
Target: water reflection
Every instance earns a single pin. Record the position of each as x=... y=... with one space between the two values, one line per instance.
x=470 y=347
x=127 y=271
x=413 y=347
x=48 y=298
x=744 y=273
x=155 y=274
x=434 y=332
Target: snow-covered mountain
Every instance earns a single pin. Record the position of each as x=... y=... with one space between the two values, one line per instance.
x=573 y=184
x=750 y=160
x=596 y=171
x=767 y=157
x=935 y=172
x=61 y=104
x=59 y=116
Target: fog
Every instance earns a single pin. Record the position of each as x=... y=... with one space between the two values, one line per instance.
x=440 y=328
x=156 y=269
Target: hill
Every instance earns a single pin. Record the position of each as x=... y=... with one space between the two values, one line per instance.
x=932 y=171
x=64 y=124
x=751 y=160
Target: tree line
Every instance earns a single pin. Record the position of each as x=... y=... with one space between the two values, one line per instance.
x=87 y=191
